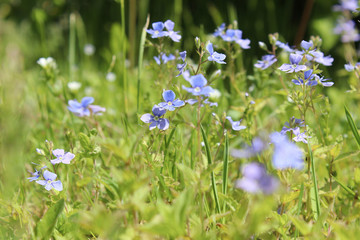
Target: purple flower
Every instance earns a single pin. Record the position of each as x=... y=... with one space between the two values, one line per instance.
x=170 y=102
x=155 y=120
x=351 y=5
x=299 y=136
x=198 y=86
x=284 y=46
x=235 y=125
x=286 y=154
x=349 y=67
x=256 y=180
x=292 y=124
x=266 y=61
x=62 y=157
x=215 y=56
x=256 y=147
x=181 y=67
x=96 y=110
x=323 y=82
x=169 y=25
x=295 y=59
x=306 y=45
x=80 y=109
x=308 y=76
x=320 y=58
x=235 y=35
x=347 y=30
x=49 y=182
x=157 y=30
x=36 y=174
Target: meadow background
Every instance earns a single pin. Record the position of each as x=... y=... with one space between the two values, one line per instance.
x=127 y=182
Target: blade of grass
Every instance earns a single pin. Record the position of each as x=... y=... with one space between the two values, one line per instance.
x=141 y=55
x=314 y=193
x=208 y=154
x=72 y=46
x=345 y=187
x=225 y=171
x=352 y=126
x=299 y=207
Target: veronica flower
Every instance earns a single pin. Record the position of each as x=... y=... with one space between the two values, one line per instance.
x=300 y=136
x=284 y=46
x=256 y=147
x=49 y=182
x=292 y=125
x=306 y=45
x=36 y=174
x=215 y=56
x=62 y=157
x=220 y=30
x=347 y=30
x=308 y=76
x=157 y=30
x=155 y=120
x=256 y=180
x=170 y=102
x=323 y=81
x=164 y=58
x=349 y=67
x=351 y=5
x=198 y=86
x=235 y=35
x=286 y=154
x=84 y=108
x=181 y=67
x=169 y=25
x=266 y=61
x=295 y=59
x=235 y=125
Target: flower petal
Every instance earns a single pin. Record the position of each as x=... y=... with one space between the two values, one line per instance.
x=198 y=81
x=49 y=175
x=57 y=185
x=86 y=101
x=163 y=124
x=147 y=118
x=58 y=152
x=169 y=96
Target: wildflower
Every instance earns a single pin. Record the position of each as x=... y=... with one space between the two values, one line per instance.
x=157 y=30
x=164 y=58
x=181 y=67
x=295 y=59
x=62 y=157
x=110 y=76
x=323 y=82
x=306 y=45
x=292 y=125
x=286 y=154
x=36 y=174
x=300 y=136
x=347 y=30
x=84 y=108
x=89 y=49
x=351 y=5
x=308 y=76
x=235 y=35
x=169 y=25
x=49 y=182
x=170 y=102
x=155 y=120
x=74 y=86
x=256 y=180
x=284 y=46
x=47 y=63
x=235 y=125
x=324 y=60
x=349 y=67
x=198 y=87
x=220 y=30
x=256 y=147
x=215 y=56
x=266 y=61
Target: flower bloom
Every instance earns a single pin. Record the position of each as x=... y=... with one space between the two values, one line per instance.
x=347 y=30
x=295 y=59
x=235 y=125
x=164 y=58
x=286 y=154
x=49 y=182
x=84 y=108
x=284 y=46
x=220 y=30
x=169 y=25
x=256 y=180
x=62 y=157
x=170 y=102
x=256 y=147
x=181 y=67
x=266 y=61
x=235 y=35
x=198 y=86
x=47 y=63
x=308 y=76
x=110 y=76
x=351 y=5
x=157 y=30
x=155 y=120
x=89 y=49
x=349 y=67
x=215 y=56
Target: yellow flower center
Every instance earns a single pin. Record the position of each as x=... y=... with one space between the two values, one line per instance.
x=169 y=103
x=197 y=89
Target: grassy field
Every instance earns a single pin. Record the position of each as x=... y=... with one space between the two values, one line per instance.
x=120 y=121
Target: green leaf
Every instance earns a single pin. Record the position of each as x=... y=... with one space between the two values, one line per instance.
x=303 y=227
x=141 y=55
x=345 y=187
x=352 y=126
x=45 y=226
x=314 y=193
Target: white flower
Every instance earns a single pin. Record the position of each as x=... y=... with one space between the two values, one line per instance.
x=47 y=62
x=111 y=77
x=89 y=49
x=74 y=86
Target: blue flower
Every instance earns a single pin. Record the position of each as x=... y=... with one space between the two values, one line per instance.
x=170 y=102
x=323 y=82
x=198 y=87
x=351 y=5
x=284 y=46
x=256 y=147
x=220 y=30
x=347 y=30
x=215 y=56
x=286 y=154
x=308 y=76
x=266 y=61
x=235 y=35
x=169 y=25
x=157 y=30
x=49 y=182
x=292 y=124
x=181 y=67
x=36 y=174
x=306 y=45
x=84 y=108
x=62 y=157
x=164 y=58
x=155 y=120
x=295 y=59
x=256 y=180
x=235 y=125
x=349 y=67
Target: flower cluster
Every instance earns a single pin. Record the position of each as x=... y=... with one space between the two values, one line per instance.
x=158 y=30
x=345 y=25
x=232 y=35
